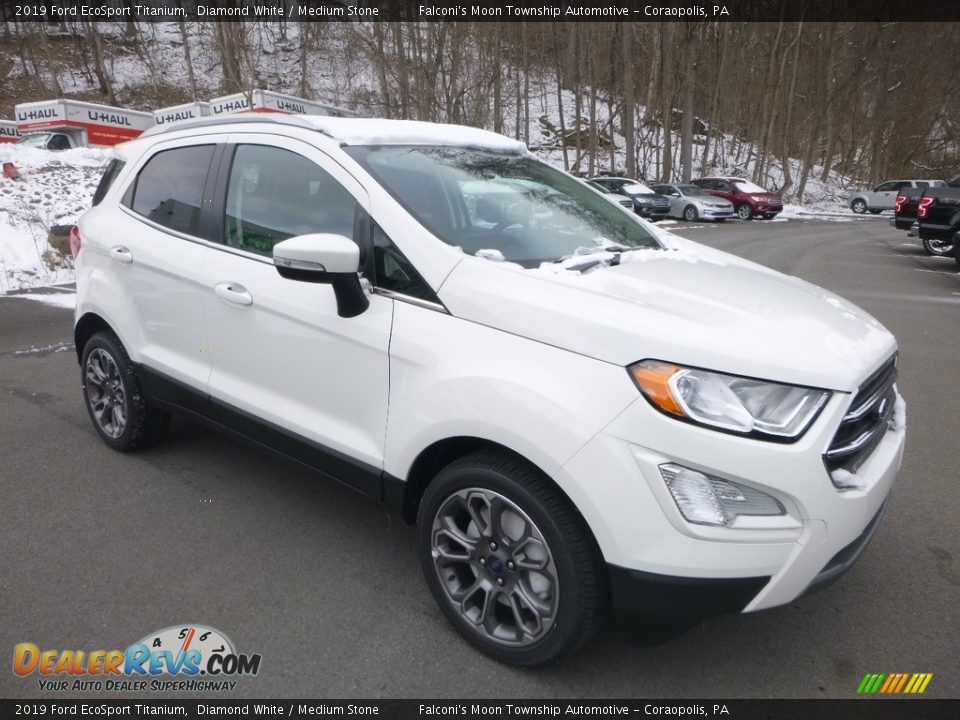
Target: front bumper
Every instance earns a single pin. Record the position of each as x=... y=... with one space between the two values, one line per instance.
x=657 y=211
x=758 y=562
x=717 y=213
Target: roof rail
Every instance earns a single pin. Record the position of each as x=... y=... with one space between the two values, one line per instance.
x=275 y=118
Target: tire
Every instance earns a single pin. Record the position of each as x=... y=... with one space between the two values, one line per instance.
x=114 y=397
x=690 y=214
x=876 y=212
x=466 y=560
x=859 y=206
x=744 y=211
x=939 y=248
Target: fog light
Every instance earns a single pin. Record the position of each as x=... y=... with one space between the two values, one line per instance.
x=707 y=500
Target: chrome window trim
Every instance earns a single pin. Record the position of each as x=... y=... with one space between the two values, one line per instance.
x=419 y=302
x=390 y=294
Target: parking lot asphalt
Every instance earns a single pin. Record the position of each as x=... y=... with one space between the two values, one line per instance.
x=98 y=549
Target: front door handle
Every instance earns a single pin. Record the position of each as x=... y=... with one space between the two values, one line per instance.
x=233 y=293
x=121 y=254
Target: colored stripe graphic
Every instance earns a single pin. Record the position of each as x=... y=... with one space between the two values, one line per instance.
x=894 y=683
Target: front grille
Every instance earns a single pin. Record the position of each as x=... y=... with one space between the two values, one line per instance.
x=866 y=421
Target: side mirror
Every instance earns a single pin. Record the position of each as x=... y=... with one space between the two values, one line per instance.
x=325 y=258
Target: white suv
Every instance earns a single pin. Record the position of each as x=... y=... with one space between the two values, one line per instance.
x=577 y=410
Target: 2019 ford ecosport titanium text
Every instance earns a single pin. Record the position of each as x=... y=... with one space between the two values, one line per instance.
x=577 y=410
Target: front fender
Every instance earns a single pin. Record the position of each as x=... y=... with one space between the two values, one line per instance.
x=542 y=402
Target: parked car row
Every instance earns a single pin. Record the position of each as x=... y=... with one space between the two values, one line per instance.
x=932 y=213
x=708 y=198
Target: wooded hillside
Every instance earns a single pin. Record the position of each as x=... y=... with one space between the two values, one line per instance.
x=866 y=100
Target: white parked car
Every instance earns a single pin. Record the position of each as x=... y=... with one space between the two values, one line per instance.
x=578 y=412
x=884 y=196
x=692 y=203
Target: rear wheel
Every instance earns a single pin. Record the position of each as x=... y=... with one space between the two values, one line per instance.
x=690 y=213
x=511 y=564
x=859 y=206
x=939 y=248
x=114 y=398
x=744 y=211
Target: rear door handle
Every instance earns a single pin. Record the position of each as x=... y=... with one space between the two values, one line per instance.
x=233 y=293
x=121 y=254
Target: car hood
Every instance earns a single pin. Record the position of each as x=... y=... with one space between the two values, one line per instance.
x=687 y=304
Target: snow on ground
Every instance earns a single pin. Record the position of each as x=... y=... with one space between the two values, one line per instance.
x=55 y=189
x=59 y=299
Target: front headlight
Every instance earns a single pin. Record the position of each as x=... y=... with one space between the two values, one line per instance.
x=728 y=402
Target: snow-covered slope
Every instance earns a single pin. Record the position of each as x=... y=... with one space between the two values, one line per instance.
x=54 y=189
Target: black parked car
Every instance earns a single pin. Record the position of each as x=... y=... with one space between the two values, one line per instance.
x=646 y=203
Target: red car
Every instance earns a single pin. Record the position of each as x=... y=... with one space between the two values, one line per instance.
x=748 y=199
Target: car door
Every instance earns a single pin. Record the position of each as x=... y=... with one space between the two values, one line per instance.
x=721 y=188
x=155 y=257
x=286 y=368
x=883 y=196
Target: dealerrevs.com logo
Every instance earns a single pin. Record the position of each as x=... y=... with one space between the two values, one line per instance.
x=178 y=658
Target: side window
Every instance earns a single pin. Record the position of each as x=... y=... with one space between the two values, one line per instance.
x=58 y=142
x=886 y=187
x=109 y=175
x=920 y=184
x=393 y=270
x=169 y=188
x=275 y=194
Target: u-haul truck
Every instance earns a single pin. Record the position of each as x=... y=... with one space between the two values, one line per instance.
x=8 y=131
x=72 y=123
x=178 y=113
x=267 y=101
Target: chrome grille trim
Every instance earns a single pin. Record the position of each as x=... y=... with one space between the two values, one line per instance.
x=866 y=422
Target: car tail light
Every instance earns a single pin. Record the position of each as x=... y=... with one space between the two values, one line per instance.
x=925 y=204
x=75 y=241
x=898 y=205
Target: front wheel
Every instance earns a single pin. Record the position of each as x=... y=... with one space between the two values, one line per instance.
x=114 y=398
x=510 y=562
x=939 y=248
x=859 y=206
x=690 y=213
x=744 y=211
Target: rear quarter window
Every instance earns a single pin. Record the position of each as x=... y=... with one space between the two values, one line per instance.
x=106 y=182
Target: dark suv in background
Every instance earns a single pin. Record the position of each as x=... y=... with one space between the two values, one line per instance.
x=748 y=200
x=646 y=203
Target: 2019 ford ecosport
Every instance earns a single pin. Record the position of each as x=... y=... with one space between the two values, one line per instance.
x=578 y=411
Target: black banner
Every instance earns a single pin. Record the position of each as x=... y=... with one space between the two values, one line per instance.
x=859 y=709
x=482 y=10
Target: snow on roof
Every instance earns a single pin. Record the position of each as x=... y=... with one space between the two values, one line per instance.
x=371 y=131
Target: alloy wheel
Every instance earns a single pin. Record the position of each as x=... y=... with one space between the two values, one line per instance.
x=495 y=567
x=106 y=393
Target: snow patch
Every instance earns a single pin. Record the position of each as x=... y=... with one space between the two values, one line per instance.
x=847 y=480
x=899 y=421
x=60 y=300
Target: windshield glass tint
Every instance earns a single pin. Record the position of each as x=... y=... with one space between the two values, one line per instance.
x=748 y=187
x=692 y=190
x=522 y=208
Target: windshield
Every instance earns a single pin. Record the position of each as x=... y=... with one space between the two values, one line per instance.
x=38 y=140
x=748 y=187
x=520 y=208
x=691 y=190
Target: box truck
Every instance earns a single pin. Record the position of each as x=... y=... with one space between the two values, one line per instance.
x=268 y=101
x=72 y=123
x=8 y=131
x=177 y=113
